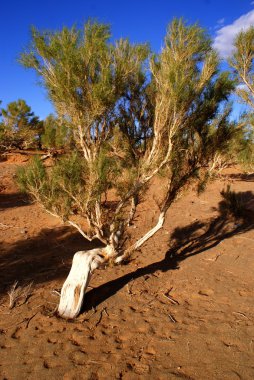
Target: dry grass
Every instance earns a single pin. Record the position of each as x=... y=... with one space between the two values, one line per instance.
x=19 y=293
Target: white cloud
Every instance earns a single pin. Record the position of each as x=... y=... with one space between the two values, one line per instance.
x=222 y=20
x=225 y=36
x=219 y=24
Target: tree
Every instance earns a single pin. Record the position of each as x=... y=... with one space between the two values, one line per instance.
x=20 y=128
x=243 y=142
x=128 y=126
x=55 y=133
x=242 y=63
x=237 y=149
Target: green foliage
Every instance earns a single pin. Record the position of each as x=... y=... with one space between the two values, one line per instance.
x=19 y=128
x=190 y=112
x=246 y=153
x=243 y=143
x=204 y=178
x=185 y=65
x=84 y=74
x=62 y=189
x=31 y=179
x=242 y=63
x=56 y=134
x=106 y=170
x=126 y=125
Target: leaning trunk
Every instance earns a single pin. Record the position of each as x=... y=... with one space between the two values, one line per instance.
x=74 y=287
x=83 y=265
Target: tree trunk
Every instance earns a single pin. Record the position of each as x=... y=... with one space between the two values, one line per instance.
x=74 y=287
x=83 y=265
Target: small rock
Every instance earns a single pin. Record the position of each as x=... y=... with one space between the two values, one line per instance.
x=125 y=337
x=51 y=363
x=79 y=338
x=151 y=351
x=141 y=369
x=78 y=357
x=53 y=340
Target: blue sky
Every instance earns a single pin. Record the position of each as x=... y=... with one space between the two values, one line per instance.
x=139 y=20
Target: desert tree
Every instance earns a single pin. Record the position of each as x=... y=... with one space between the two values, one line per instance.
x=132 y=116
x=20 y=128
x=242 y=64
x=243 y=142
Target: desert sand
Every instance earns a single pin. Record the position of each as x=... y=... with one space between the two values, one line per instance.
x=181 y=309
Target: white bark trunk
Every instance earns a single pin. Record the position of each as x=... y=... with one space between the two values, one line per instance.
x=83 y=265
x=150 y=233
x=74 y=287
x=144 y=238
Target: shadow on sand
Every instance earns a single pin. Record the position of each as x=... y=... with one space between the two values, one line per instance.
x=240 y=177
x=40 y=259
x=13 y=200
x=185 y=242
x=48 y=256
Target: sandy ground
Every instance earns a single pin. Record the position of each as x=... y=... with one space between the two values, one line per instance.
x=181 y=309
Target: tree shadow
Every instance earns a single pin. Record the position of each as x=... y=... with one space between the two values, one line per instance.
x=191 y=240
x=48 y=256
x=40 y=259
x=244 y=177
x=13 y=200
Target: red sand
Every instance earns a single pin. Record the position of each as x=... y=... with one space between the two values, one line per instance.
x=182 y=309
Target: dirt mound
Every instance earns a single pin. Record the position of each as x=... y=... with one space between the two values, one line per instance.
x=182 y=309
x=17 y=158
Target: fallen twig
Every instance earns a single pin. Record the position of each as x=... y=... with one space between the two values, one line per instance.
x=36 y=307
x=242 y=314
x=172 y=318
x=174 y=302
x=171 y=299
x=29 y=319
x=101 y=314
x=214 y=258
